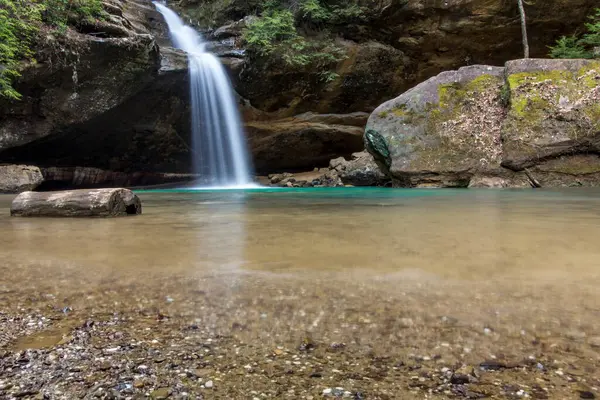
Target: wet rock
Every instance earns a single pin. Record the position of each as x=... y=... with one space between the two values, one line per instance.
x=492 y=365
x=594 y=342
x=586 y=394
x=360 y=170
x=161 y=393
x=232 y=30
x=463 y=375
x=277 y=178
x=307 y=344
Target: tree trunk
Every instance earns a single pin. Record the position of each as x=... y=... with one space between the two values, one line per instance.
x=524 y=29
x=77 y=203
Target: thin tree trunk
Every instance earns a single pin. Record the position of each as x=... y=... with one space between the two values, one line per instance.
x=524 y=29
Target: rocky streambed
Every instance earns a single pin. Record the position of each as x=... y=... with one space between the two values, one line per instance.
x=296 y=338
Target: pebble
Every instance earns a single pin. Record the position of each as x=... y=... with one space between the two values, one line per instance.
x=594 y=341
x=209 y=384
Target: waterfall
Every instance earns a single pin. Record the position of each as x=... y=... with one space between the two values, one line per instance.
x=220 y=152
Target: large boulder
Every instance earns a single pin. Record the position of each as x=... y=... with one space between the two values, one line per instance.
x=19 y=178
x=441 y=132
x=555 y=110
x=531 y=122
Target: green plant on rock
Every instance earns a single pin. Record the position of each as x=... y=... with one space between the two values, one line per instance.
x=274 y=34
x=275 y=29
x=20 y=22
x=584 y=46
x=63 y=13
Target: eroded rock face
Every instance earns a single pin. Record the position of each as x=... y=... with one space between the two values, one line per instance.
x=80 y=76
x=484 y=126
x=395 y=45
x=296 y=143
x=370 y=72
x=19 y=178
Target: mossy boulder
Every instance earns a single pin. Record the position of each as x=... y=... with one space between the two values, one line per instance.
x=535 y=120
x=442 y=131
x=554 y=110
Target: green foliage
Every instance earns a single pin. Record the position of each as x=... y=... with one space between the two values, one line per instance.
x=62 y=13
x=273 y=31
x=20 y=22
x=579 y=46
x=312 y=10
x=276 y=33
x=569 y=47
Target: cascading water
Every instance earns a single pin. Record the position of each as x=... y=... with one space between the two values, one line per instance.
x=217 y=136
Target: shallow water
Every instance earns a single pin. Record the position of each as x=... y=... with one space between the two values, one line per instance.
x=460 y=235
x=400 y=274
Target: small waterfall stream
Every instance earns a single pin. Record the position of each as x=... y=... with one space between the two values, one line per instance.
x=221 y=155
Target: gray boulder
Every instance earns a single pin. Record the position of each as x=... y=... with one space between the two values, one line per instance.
x=360 y=170
x=442 y=131
x=468 y=127
x=19 y=178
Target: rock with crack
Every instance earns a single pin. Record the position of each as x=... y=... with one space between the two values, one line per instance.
x=532 y=122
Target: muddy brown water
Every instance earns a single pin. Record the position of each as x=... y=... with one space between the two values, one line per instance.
x=457 y=276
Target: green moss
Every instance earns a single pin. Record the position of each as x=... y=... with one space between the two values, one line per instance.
x=593 y=113
x=556 y=76
x=453 y=94
x=20 y=22
x=587 y=75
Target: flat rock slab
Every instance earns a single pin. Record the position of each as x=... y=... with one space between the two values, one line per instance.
x=77 y=203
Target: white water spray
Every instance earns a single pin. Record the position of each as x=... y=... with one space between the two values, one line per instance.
x=217 y=136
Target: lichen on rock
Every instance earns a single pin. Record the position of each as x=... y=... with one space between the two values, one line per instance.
x=447 y=125
x=471 y=126
x=554 y=108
